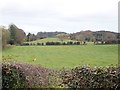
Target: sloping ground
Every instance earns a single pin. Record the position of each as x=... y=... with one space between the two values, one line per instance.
x=49 y=40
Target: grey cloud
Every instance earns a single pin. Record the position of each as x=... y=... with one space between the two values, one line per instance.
x=51 y=19
x=28 y=13
x=88 y=18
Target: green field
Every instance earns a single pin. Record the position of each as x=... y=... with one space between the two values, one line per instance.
x=49 y=40
x=64 y=56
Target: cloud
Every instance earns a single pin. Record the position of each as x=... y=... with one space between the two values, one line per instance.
x=56 y=15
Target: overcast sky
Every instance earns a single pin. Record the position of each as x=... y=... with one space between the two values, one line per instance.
x=60 y=15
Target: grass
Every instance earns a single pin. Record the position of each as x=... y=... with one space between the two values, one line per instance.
x=64 y=56
x=49 y=40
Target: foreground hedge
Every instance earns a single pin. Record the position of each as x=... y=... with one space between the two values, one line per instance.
x=12 y=77
x=24 y=76
x=29 y=76
x=86 y=77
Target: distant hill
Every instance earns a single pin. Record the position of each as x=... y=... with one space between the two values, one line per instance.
x=48 y=34
x=88 y=35
x=95 y=35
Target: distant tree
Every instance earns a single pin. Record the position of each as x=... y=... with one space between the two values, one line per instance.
x=41 y=35
x=72 y=37
x=17 y=35
x=110 y=37
x=4 y=35
x=63 y=36
x=31 y=37
x=13 y=35
x=105 y=37
x=20 y=36
x=83 y=36
x=28 y=36
x=34 y=37
x=80 y=37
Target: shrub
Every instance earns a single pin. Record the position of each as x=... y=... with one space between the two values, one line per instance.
x=24 y=76
x=111 y=42
x=64 y=43
x=33 y=44
x=53 y=43
x=69 y=43
x=86 y=77
x=38 y=43
x=25 y=44
x=12 y=77
x=78 y=43
x=29 y=76
x=42 y=44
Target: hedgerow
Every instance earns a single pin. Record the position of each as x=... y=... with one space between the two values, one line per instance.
x=12 y=77
x=17 y=75
x=86 y=77
x=52 y=43
x=25 y=76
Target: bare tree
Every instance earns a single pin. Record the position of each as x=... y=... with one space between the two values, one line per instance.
x=63 y=36
x=110 y=37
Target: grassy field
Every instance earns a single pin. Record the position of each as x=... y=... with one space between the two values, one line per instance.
x=64 y=56
x=49 y=40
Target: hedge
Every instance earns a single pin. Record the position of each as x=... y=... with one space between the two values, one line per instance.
x=92 y=78
x=16 y=75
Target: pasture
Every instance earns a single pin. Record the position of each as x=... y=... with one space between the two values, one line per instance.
x=49 y=40
x=67 y=56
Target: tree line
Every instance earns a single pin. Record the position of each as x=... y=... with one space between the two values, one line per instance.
x=103 y=37
x=16 y=36
x=13 y=35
